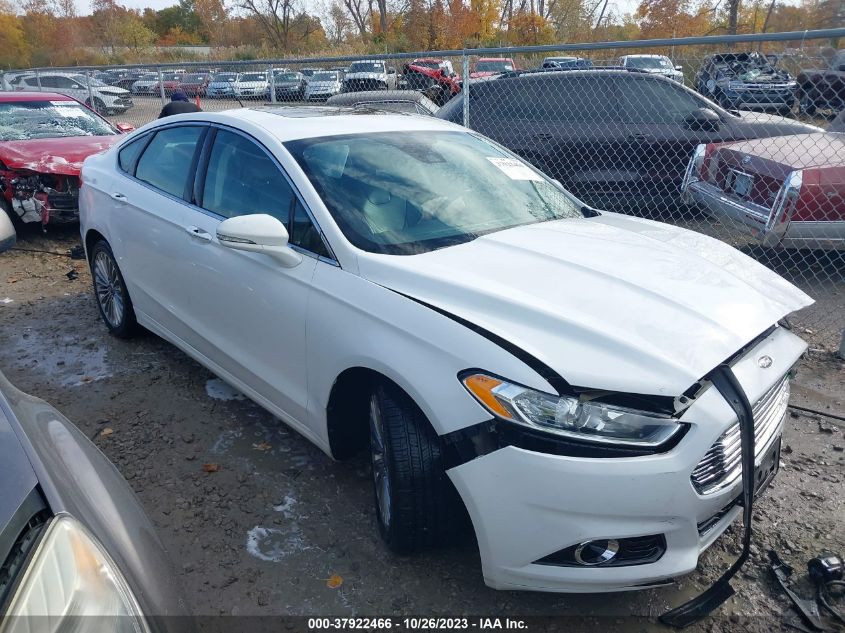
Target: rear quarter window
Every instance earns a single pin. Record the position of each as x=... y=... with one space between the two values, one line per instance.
x=128 y=154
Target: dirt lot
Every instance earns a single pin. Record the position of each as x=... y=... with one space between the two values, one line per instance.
x=266 y=531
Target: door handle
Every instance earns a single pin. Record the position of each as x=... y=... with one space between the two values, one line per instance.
x=119 y=196
x=198 y=233
x=638 y=136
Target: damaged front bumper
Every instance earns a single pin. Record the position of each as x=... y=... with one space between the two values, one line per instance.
x=42 y=199
x=532 y=511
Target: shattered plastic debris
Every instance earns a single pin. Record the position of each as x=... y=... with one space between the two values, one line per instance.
x=334 y=581
x=6 y=301
x=106 y=431
x=210 y=468
x=219 y=390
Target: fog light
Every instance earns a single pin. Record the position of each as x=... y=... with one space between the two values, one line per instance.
x=596 y=552
x=609 y=552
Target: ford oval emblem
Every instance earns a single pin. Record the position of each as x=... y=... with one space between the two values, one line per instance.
x=746 y=160
x=765 y=362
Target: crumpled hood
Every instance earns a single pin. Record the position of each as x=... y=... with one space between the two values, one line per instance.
x=611 y=302
x=54 y=155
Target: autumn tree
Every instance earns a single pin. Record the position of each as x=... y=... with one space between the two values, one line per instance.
x=14 y=48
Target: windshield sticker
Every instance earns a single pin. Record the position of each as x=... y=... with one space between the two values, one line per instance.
x=514 y=169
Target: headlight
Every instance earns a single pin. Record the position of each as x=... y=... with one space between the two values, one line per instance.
x=737 y=86
x=71 y=576
x=570 y=416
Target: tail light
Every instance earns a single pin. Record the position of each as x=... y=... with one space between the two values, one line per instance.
x=786 y=200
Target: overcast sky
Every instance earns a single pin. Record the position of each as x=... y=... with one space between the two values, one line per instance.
x=84 y=6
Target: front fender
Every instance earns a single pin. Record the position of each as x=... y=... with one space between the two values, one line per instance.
x=353 y=322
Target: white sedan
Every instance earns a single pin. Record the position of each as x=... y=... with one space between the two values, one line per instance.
x=397 y=284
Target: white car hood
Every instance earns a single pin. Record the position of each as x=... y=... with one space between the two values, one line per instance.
x=611 y=302
x=365 y=76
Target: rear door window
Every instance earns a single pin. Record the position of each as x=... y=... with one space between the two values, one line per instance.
x=651 y=100
x=167 y=160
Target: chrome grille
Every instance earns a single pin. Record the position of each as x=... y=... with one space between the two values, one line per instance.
x=721 y=466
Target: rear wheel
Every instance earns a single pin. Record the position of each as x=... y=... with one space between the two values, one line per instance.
x=416 y=504
x=110 y=291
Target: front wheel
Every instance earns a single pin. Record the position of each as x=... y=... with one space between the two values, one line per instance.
x=416 y=504
x=110 y=291
x=98 y=106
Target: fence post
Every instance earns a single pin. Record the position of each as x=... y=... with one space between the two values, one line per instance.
x=38 y=79
x=161 y=87
x=91 y=103
x=2 y=81
x=465 y=87
x=842 y=346
x=272 y=84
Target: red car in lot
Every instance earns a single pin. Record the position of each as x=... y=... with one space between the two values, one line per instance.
x=787 y=191
x=194 y=84
x=436 y=78
x=489 y=66
x=44 y=138
x=171 y=82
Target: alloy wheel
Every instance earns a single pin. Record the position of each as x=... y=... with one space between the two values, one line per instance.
x=109 y=289
x=381 y=473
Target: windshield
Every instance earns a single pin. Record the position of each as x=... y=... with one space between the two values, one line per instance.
x=224 y=77
x=149 y=77
x=366 y=67
x=649 y=62
x=413 y=192
x=27 y=120
x=193 y=78
x=251 y=77
x=494 y=66
x=324 y=77
x=171 y=77
x=426 y=63
x=287 y=77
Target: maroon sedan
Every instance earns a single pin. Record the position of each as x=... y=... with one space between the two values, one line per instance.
x=194 y=85
x=787 y=191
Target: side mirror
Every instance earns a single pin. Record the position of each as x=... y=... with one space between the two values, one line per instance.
x=703 y=119
x=679 y=67
x=7 y=232
x=125 y=128
x=259 y=233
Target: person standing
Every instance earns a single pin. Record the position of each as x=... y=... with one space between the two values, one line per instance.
x=179 y=104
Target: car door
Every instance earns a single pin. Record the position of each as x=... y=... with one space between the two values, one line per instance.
x=147 y=199
x=655 y=112
x=249 y=311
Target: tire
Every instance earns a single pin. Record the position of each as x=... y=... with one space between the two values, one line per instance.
x=416 y=504
x=99 y=106
x=111 y=294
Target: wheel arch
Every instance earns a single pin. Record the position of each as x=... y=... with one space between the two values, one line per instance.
x=347 y=423
x=92 y=236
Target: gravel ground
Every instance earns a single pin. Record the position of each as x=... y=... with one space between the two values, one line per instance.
x=279 y=529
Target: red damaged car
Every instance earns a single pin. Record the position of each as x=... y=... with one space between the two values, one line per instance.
x=44 y=138
x=787 y=191
x=435 y=78
x=489 y=66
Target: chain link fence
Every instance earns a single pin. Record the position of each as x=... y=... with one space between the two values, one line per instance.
x=738 y=137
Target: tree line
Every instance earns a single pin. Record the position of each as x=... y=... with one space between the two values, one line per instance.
x=52 y=33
